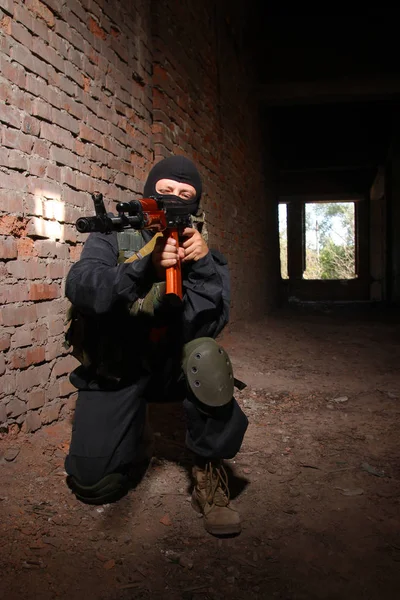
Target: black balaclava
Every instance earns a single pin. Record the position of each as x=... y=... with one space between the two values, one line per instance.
x=178 y=168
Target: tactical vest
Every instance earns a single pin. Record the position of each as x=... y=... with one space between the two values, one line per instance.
x=131 y=247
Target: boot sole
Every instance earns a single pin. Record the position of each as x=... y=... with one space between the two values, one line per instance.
x=221 y=531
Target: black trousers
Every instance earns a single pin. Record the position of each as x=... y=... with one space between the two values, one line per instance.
x=108 y=423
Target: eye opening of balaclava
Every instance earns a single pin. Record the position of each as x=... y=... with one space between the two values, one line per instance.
x=178 y=168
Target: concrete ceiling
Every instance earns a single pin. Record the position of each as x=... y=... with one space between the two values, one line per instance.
x=329 y=87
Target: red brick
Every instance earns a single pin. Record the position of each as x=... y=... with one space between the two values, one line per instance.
x=7 y=6
x=71 y=214
x=2 y=364
x=5 y=341
x=13 y=315
x=58 y=136
x=96 y=29
x=42 y=109
x=15 y=139
x=27 y=269
x=22 y=56
x=87 y=184
x=64 y=157
x=53 y=172
x=12 y=225
x=23 y=358
x=90 y=135
x=31 y=125
x=8 y=248
x=75 y=253
x=75 y=198
x=37 y=166
x=108 y=114
x=8 y=383
x=15 y=408
x=43 y=291
x=115 y=148
x=4 y=157
x=73 y=108
x=56 y=270
x=36 y=399
x=52 y=391
x=48 y=54
x=96 y=123
x=46 y=248
x=5 y=88
x=36 y=85
x=22 y=337
x=26 y=248
x=37 y=227
x=31 y=423
x=96 y=171
x=54 y=348
x=55 y=7
x=40 y=334
x=14 y=292
x=41 y=148
x=13 y=72
x=68 y=33
x=17 y=160
x=42 y=11
x=5 y=24
x=21 y=34
x=10 y=116
x=123 y=166
x=59 y=44
x=39 y=88
x=127 y=182
x=85 y=65
x=32 y=377
x=33 y=205
x=55 y=324
x=23 y=16
x=66 y=387
x=3 y=413
x=97 y=154
x=68 y=176
x=64 y=365
x=65 y=121
x=85 y=98
x=80 y=148
x=50 y=412
x=86 y=167
x=73 y=73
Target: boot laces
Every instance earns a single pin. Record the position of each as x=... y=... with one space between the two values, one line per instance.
x=217 y=489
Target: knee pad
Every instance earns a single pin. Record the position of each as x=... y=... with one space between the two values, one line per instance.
x=109 y=489
x=208 y=371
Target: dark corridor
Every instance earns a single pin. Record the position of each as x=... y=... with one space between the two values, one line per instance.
x=330 y=91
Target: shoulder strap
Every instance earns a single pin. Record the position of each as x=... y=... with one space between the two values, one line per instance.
x=130 y=245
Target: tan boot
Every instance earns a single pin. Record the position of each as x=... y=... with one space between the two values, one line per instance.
x=211 y=497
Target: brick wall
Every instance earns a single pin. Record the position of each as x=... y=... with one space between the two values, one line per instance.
x=204 y=106
x=78 y=114
x=75 y=112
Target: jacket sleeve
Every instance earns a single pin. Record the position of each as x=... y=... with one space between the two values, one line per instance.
x=96 y=282
x=206 y=286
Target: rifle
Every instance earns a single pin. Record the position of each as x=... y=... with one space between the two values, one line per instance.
x=157 y=213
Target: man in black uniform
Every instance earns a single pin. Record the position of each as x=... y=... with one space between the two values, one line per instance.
x=139 y=348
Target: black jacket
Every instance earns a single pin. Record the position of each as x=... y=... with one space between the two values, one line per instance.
x=103 y=289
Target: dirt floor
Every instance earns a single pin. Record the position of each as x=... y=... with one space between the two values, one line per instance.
x=317 y=483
